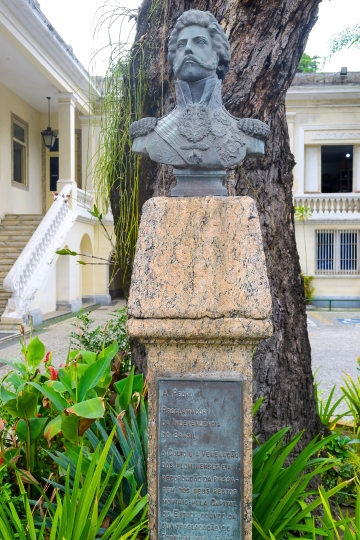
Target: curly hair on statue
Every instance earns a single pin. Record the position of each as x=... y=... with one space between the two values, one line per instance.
x=219 y=39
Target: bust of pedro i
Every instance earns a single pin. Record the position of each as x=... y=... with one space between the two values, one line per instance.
x=199 y=134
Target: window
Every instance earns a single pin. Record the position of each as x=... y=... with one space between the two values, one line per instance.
x=54 y=165
x=19 y=151
x=336 y=169
x=337 y=251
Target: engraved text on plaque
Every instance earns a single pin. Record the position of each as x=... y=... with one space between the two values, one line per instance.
x=200 y=459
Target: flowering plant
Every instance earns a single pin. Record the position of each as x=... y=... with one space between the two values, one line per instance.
x=39 y=401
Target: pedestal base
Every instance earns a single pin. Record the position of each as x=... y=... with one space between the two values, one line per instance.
x=200 y=302
x=193 y=183
x=199 y=362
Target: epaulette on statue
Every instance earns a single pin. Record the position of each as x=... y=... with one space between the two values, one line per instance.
x=254 y=128
x=142 y=127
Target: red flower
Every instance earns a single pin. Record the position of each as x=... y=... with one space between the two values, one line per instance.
x=53 y=373
x=47 y=357
x=2 y=461
x=38 y=416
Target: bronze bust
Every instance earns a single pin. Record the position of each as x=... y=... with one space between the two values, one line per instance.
x=200 y=138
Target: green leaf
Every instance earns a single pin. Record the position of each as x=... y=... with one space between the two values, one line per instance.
x=66 y=252
x=53 y=428
x=81 y=262
x=16 y=365
x=88 y=356
x=109 y=352
x=124 y=389
x=65 y=378
x=104 y=383
x=23 y=406
x=22 y=430
x=70 y=427
x=92 y=408
x=56 y=385
x=55 y=398
x=36 y=426
x=257 y=405
x=92 y=376
x=138 y=383
x=5 y=395
x=35 y=352
x=15 y=380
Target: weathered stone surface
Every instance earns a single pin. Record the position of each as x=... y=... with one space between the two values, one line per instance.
x=200 y=301
x=199 y=257
x=200 y=360
x=206 y=329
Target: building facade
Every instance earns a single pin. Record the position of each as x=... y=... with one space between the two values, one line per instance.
x=323 y=114
x=46 y=194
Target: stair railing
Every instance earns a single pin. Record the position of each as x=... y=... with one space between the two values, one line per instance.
x=36 y=259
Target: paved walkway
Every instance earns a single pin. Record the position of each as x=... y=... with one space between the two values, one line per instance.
x=55 y=334
x=335 y=343
x=335 y=346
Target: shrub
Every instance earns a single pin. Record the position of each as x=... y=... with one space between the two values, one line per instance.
x=102 y=336
x=308 y=287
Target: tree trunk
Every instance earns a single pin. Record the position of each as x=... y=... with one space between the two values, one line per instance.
x=267 y=38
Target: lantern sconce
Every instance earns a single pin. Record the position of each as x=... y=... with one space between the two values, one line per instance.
x=48 y=135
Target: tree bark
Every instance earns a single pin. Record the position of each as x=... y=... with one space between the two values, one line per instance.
x=267 y=38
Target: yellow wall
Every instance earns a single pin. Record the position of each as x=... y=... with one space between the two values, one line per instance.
x=325 y=285
x=319 y=115
x=15 y=200
x=69 y=280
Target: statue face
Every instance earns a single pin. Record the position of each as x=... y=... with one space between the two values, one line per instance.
x=195 y=58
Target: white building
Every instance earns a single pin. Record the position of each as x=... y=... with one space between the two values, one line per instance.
x=323 y=113
x=36 y=63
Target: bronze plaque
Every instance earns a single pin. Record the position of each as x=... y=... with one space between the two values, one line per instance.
x=199 y=459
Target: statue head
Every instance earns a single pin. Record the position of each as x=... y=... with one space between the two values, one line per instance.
x=198 y=47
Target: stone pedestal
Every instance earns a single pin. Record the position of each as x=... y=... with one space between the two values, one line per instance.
x=200 y=302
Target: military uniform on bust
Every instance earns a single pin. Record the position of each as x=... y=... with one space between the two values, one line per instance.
x=199 y=136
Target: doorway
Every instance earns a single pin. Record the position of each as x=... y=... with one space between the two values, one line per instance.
x=52 y=172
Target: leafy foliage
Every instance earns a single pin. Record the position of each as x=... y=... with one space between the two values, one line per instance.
x=347 y=38
x=115 y=169
x=351 y=391
x=302 y=213
x=280 y=492
x=327 y=409
x=308 y=64
x=309 y=289
x=76 y=514
x=94 y=339
x=346 y=468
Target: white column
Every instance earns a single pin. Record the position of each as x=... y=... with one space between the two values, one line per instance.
x=86 y=152
x=356 y=169
x=66 y=102
x=290 y=117
x=312 y=169
x=90 y=149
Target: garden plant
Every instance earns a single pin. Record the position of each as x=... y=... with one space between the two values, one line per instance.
x=74 y=443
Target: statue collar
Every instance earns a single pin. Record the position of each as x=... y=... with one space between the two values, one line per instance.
x=183 y=93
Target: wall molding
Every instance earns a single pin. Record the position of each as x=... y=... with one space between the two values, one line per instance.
x=341 y=136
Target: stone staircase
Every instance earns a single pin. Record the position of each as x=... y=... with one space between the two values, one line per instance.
x=15 y=232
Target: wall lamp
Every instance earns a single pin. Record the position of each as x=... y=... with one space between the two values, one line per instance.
x=48 y=135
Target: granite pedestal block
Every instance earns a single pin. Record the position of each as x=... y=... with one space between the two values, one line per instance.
x=200 y=302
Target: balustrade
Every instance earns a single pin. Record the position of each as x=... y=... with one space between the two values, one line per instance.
x=341 y=204
x=35 y=261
